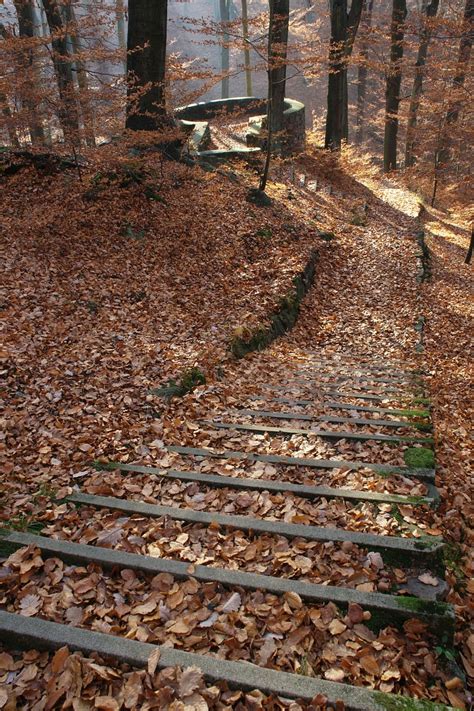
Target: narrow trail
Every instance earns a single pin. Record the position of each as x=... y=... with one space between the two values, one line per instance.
x=284 y=516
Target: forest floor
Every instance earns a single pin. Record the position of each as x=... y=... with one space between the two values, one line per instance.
x=109 y=293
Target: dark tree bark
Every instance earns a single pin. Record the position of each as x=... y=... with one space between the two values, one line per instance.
x=276 y=73
x=146 y=64
x=68 y=114
x=344 y=27
x=471 y=248
x=224 y=17
x=430 y=10
x=393 y=86
x=362 y=71
x=454 y=109
x=278 y=46
x=26 y=59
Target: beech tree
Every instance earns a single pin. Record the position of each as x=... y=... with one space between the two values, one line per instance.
x=67 y=113
x=278 y=49
x=146 y=64
x=224 y=17
x=344 y=27
x=245 y=34
x=279 y=13
x=393 y=85
x=429 y=10
x=362 y=71
x=456 y=103
x=26 y=63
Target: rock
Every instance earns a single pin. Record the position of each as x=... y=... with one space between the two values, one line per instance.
x=426 y=592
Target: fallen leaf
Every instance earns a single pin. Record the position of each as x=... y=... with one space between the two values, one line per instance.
x=29 y=605
x=209 y=621
x=370 y=665
x=337 y=627
x=428 y=579
x=334 y=674
x=57 y=663
x=106 y=703
x=232 y=604
x=190 y=681
x=153 y=660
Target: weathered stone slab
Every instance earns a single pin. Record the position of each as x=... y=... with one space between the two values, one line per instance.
x=32 y=632
x=384 y=608
x=329 y=392
x=348 y=376
x=272 y=414
x=363 y=388
x=325 y=434
x=306 y=491
x=334 y=405
x=422 y=474
x=402 y=551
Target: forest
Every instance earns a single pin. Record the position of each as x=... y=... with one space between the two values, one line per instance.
x=237 y=387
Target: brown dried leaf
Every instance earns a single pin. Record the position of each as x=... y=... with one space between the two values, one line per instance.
x=190 y=681
x=153 y=660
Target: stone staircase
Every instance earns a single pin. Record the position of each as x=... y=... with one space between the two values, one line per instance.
x=348 y=405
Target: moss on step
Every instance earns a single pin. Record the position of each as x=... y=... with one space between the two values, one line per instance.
x=419 y=458
x=413 y=413
x=423 y=427
x=395 y=702
x=245 y=340
x=421 y=401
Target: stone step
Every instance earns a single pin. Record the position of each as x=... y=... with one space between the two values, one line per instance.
x=384 y=608
x=358 y=378
x=272 y=414
x=376 y=389
x=305 y=491
x=34 y=633
x=353 y=394
x=399 y=551
x=349 y=361
x=324 y=434
x=421 y=474
x=335 y=405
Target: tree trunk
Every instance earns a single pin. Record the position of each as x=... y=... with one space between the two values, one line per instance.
x=429 y=10
x=454 y=109
x=344 y=27
x=27 y=64
x=277 y=47
x=146 y=66
x=394 y=83
x=245 y=32
x=310 y=15
x=225 y=52
x=81 y=74
x=362 y=72
x=68 y=115
x=121 y=35
x=9 y=124
x=471 y=248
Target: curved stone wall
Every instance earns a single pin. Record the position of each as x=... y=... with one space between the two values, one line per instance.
x=195 y=119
